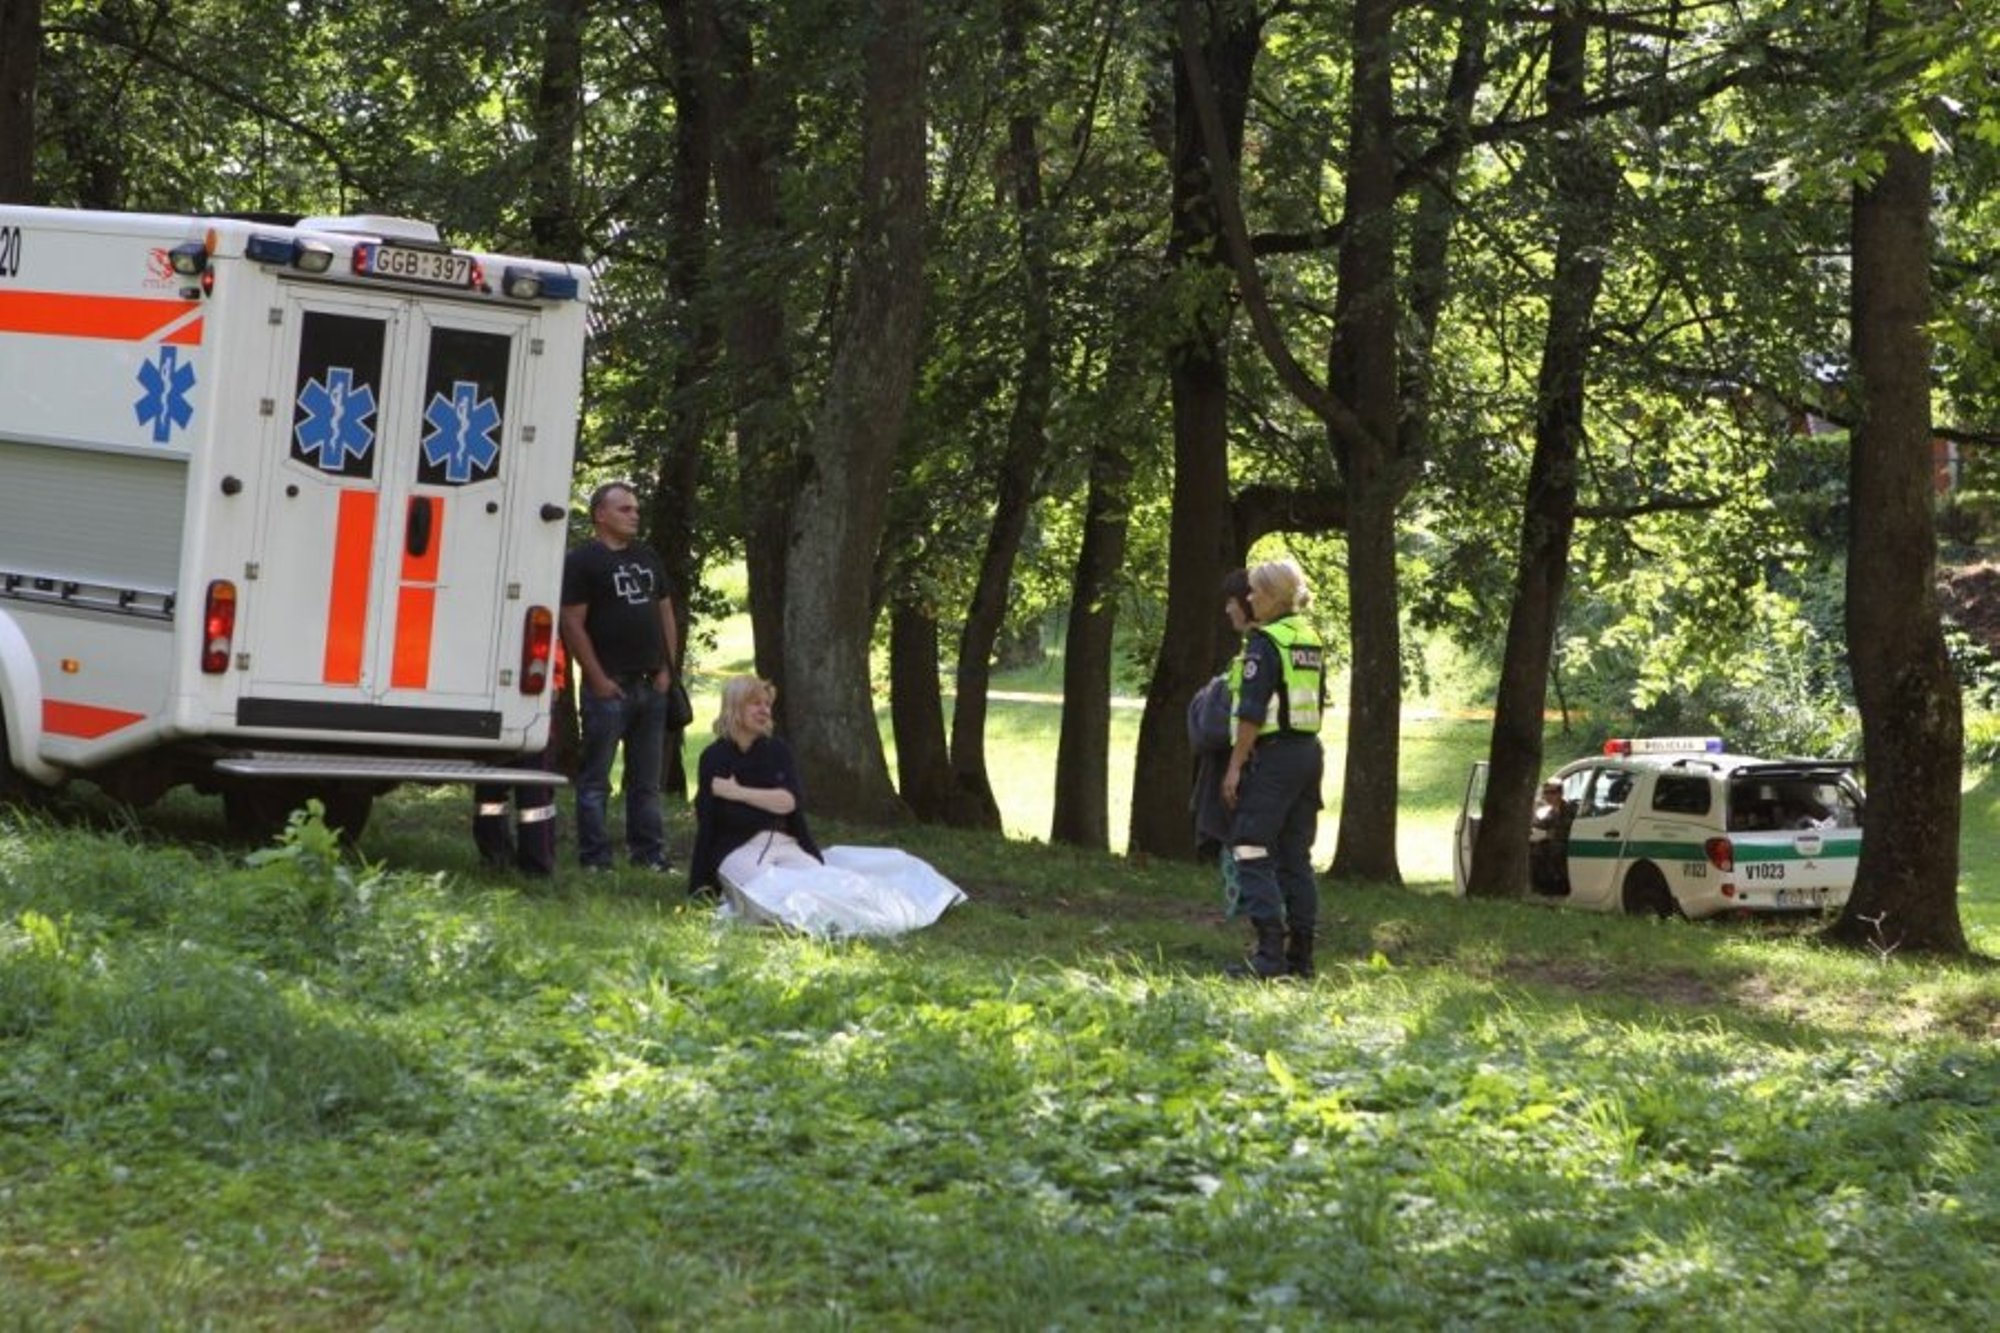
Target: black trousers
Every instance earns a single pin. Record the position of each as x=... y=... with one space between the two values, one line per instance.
x=1277 y=814
x=527 y=841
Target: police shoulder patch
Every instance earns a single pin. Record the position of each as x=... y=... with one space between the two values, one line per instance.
x=1250 y=667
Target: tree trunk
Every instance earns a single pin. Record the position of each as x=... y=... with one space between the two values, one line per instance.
x=839 y=518
x=1027 y=438
x=754 y=329
x=1361 y=371
x=916 y=713
x=20 y=53
x=1584 y=180
x=1083 y=750
x=1906 y=890
x=557 y=114
x=555 y=233
x=1198 y=375
x=1365 y=847
x=677 y=474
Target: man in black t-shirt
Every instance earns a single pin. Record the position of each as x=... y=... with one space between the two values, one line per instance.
x=623 y=639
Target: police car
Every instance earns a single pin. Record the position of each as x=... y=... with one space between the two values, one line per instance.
x=1670 y=826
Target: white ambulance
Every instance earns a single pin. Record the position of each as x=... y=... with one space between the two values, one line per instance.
x=282 y=505
x=1673 y=826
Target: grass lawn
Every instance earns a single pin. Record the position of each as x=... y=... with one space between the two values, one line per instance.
x=401 y=1093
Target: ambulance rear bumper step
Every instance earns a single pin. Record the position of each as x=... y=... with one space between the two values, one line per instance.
x=381 y=768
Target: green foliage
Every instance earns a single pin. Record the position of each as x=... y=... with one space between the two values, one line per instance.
x=318 y=108
x=160 y=1014
x=34 y=950
x=1982 y=738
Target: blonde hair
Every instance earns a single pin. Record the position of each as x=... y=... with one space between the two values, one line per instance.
x=737 y=694
x=1284 y=583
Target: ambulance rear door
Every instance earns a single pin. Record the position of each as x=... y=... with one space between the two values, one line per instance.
x=381 y=601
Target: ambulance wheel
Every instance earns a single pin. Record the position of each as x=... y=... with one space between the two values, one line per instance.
x=347 y=810
x=1647 y=894
x=13 y=787
x=257 y=812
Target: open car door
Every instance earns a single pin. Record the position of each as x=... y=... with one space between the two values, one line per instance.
x=1465 y=829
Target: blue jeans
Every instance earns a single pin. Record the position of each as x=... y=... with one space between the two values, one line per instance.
x=639 y=720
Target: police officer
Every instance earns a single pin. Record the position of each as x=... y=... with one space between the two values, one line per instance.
x=1272 y=783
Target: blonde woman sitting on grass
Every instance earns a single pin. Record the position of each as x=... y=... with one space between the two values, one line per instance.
x=752 y=843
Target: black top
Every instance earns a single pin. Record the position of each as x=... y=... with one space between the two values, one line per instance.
x=1211 y=734
x=722 y=825
x=623 y=590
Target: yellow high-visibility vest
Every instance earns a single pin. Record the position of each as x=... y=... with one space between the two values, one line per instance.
x=1301 y=695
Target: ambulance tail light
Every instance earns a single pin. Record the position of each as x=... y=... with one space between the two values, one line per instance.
x=538 y=647
x=1721 y=854
x=218 y=627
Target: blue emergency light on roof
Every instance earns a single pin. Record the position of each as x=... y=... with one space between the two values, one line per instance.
x=268 y=249
x=528 y=284
x=1628 y=745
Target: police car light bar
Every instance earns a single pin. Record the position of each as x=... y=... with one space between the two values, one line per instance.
x=1664 y=745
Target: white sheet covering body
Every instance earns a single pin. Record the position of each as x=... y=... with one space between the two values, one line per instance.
x=859 y=891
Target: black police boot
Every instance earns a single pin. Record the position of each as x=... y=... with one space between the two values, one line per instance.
x=1267 y=958
x=1299 y=952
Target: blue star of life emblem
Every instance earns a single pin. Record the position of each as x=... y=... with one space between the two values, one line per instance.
x=461 y=438
x=336 y=425
x=165 y=405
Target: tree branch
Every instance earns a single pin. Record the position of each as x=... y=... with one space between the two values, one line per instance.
x=1316 y=397
x=1259 y=510
x=1664 y=504
x=104 y=34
